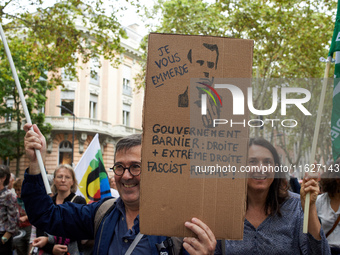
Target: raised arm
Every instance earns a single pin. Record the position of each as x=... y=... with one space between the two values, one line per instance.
x=71 y=220
x=34 y=140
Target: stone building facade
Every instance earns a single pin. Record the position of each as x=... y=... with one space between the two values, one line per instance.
x=107 y=103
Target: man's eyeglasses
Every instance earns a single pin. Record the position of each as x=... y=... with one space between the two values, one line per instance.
x=119 y=169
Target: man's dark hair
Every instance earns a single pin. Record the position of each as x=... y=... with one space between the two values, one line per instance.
x=278 y=189
x=4 y=171
x=128 y=142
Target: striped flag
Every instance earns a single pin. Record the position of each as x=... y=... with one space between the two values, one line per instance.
x=335 y=121
x=91 y=175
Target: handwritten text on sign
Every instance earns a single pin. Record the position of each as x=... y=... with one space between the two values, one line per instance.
x=169 y=64
x=174 y=143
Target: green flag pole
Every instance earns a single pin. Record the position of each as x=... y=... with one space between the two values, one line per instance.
x=335 y=122
x=315 y=138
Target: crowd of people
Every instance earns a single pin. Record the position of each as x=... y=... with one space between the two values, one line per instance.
x=272 y=225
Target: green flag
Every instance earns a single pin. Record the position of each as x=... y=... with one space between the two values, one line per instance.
x=335 y=121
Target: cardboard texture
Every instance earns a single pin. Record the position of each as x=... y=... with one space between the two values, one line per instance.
x=177 y=138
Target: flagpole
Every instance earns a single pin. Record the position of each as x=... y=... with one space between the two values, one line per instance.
x=315 y=138
x=24 y=106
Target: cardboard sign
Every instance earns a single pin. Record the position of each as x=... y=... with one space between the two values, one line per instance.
x=180 y=142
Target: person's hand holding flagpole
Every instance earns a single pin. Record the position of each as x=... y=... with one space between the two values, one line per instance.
x=315 y=139
x=24 y=106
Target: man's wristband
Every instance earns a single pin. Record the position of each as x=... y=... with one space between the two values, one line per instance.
x=4 y=239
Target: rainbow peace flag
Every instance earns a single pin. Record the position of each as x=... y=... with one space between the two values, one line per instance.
x=93 y=182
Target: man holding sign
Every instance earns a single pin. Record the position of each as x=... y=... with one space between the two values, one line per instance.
x=118 y=231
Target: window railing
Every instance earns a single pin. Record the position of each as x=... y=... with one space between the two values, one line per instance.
x=88 y=125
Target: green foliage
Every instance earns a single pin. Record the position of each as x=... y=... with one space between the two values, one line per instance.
x=288 y=35
x=44 y=41
x=289 y=38
x=68 y=32
x=31 y=70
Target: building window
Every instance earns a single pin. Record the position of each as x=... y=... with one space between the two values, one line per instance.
x=93 y=109
x=94 y=71
x=41 y=110
x=66 y=77
x=67 y=100
x=126 y=84
x=68 y=104
x=93 y=106
x=126 y=118
x=126 y=114
x=127 y=90
x=9 y=105
x=8 y=117
x=65 y=152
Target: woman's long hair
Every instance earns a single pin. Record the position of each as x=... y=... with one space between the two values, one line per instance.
x=278 y=189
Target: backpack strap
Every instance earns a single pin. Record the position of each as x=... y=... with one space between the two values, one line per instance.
x=223 y=246
x=334 y=226
x=73 y=198
x=134 y=243
x=102 y=210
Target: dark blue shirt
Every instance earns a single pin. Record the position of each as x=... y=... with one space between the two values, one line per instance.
x=124 y=237
x=76 y=221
